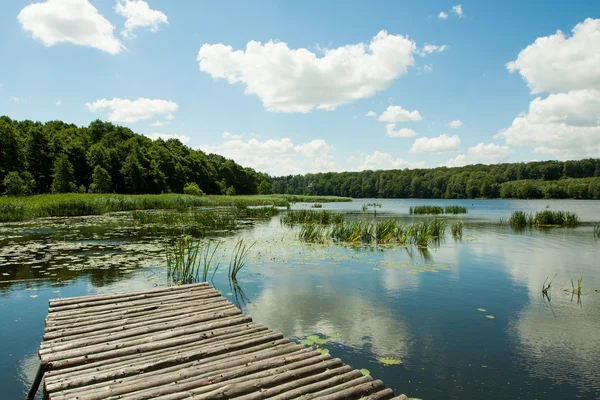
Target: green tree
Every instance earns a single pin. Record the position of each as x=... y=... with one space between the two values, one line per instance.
x=264 y=187
x=62 y=177
x=230 y=191
x=193 y=189
x=14 y=185
x=100 y=181
x=134 y=174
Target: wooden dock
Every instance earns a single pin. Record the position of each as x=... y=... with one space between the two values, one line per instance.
x=182 y=342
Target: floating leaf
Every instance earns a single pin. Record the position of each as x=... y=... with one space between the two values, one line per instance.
x=334 y=335
x=324 y=351
x=312 y=337
x=365 y=372
x=33 y=296
x=484 y=366
x=229 y=294
x=387 y=361
x=490 y=316
x=307 y=342
x=482 y=309
x=320 y=341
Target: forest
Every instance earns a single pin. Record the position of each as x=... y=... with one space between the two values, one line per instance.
x=532 y=180
x=55 y=157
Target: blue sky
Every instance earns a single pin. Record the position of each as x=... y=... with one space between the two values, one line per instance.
x=298 y=104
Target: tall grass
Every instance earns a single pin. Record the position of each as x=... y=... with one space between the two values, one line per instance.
x=597 y=230
x=240 y=256
x=437 y=210
x=214 y=220
x=520 y=219
x=74 y=204
x=456 y=210
x=189 y=261
x=307 y=216
x=457 y=230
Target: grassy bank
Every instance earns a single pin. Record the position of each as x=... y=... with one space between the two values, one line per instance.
x=69 y=205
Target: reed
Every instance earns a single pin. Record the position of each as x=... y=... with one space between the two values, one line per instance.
x=456 y=210
x=241 y=252
x=208 y=219
x=307 y=216
x=426 y=210
x=258 y=212
x=520 y=219
x=317 y=205
x=189 y=261
x=312 y=232
x=457 y=230
x=597 y=230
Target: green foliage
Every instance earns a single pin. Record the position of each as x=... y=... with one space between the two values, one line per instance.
x=520 y=219
x=14 y=185
x=308 y=216
x=63 y=175
x=190 y=261
x=437 y=210
x=317 y=205
x=265 y=187
x=241 y=252
x=457 y=230
x=193 y=189
x=101 y=182
x=547 y=179
x=456 y=210
x=230 y=191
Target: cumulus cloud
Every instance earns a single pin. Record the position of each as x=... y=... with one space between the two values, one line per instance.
x=382 y=160
x=276 y=156
x=71 y=21
x=58 y=102
x=563 y=125
x=123 y=110
x=298 y=80
x=442 y=15
x=227 y=135
x=15 y=99
x=165 y=136
x=159 y=123
x=440 y=144
x=557 y=63
x=481 y=153
x=432 y=48
x=400 y=133
x=455 y=124
x=399 y=114
x=371 y=114
x=139 y=15
x=457 y=9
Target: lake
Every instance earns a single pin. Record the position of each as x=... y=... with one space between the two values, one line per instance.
x=463 y=320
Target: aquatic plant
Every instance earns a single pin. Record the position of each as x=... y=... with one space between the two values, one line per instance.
x=312 y=232
x=519 y=219
x=239 y=258
x=307 y=216
x=457 y=230
x=364 y=208
x=189 y=261
x=576 y=290
x=546 y=288
x=317 y=205
x=597 y=230
x=437 y=210
x=456 y=210
x=12 y=211
x=258 y=212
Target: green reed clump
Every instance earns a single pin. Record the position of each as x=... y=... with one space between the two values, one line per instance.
x=456 y=210
x=437 y=228
x=560 y=218
x=597 y=230
x=241 y=252
x=189 y=261
x=374 y=205
x=520 y=219
x=312 y=232
x=307 y=216
x=426 y=210
x=386 y=231
x=208 y=219
x=13 y=211
x=457 y=230
x=259 y=212
x=317 y=205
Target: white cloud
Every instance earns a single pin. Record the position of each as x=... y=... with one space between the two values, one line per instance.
x=427 y=68
x=371 y=114
x=169 y=117
x=455 y=124
x=440 y=144
x=227 y=135
x=139 y=15
x=165 y=136
x=400 y=133
x=123 y=110
x=276 y=156
x=398 y=114
x=442 y=15
x=381 y=160
x=431 y=48
x=15 y=99
x=297 y=80
x=58 y=102
x=458 y=10
x=72 y=21
x=563 y=125
x=158 y=123
x=556 y=63
x=481 y=154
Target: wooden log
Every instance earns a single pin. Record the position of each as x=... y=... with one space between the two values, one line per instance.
x=140 y=312
x=180 y=358
x=118 y=389
x=112 y=350
x=153 y=364
x=179 y=342
x=331 y=389
x=110 y=305
x=87 y=332
x=179 y=391
x=355 y=392
x=84 y=346
x=91 y=298
x=384 y=394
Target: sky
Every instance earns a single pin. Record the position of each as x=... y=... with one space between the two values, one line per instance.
x=296 y=87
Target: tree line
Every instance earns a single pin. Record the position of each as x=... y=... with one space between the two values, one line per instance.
x=532 y=180
x=56 y=157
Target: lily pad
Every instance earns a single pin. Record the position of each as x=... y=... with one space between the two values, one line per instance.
x=490 y=316
x=365 y=372
x=312 y=337
x=387 y=361
x=482 y=309
x=324 y=351
x=320 y=341
x=334 y=335
x=307 y=342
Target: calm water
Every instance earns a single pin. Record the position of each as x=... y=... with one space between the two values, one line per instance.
x=420 y=308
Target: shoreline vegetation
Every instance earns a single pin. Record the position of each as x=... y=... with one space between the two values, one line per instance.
x=546 y=218
x=15 y=209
